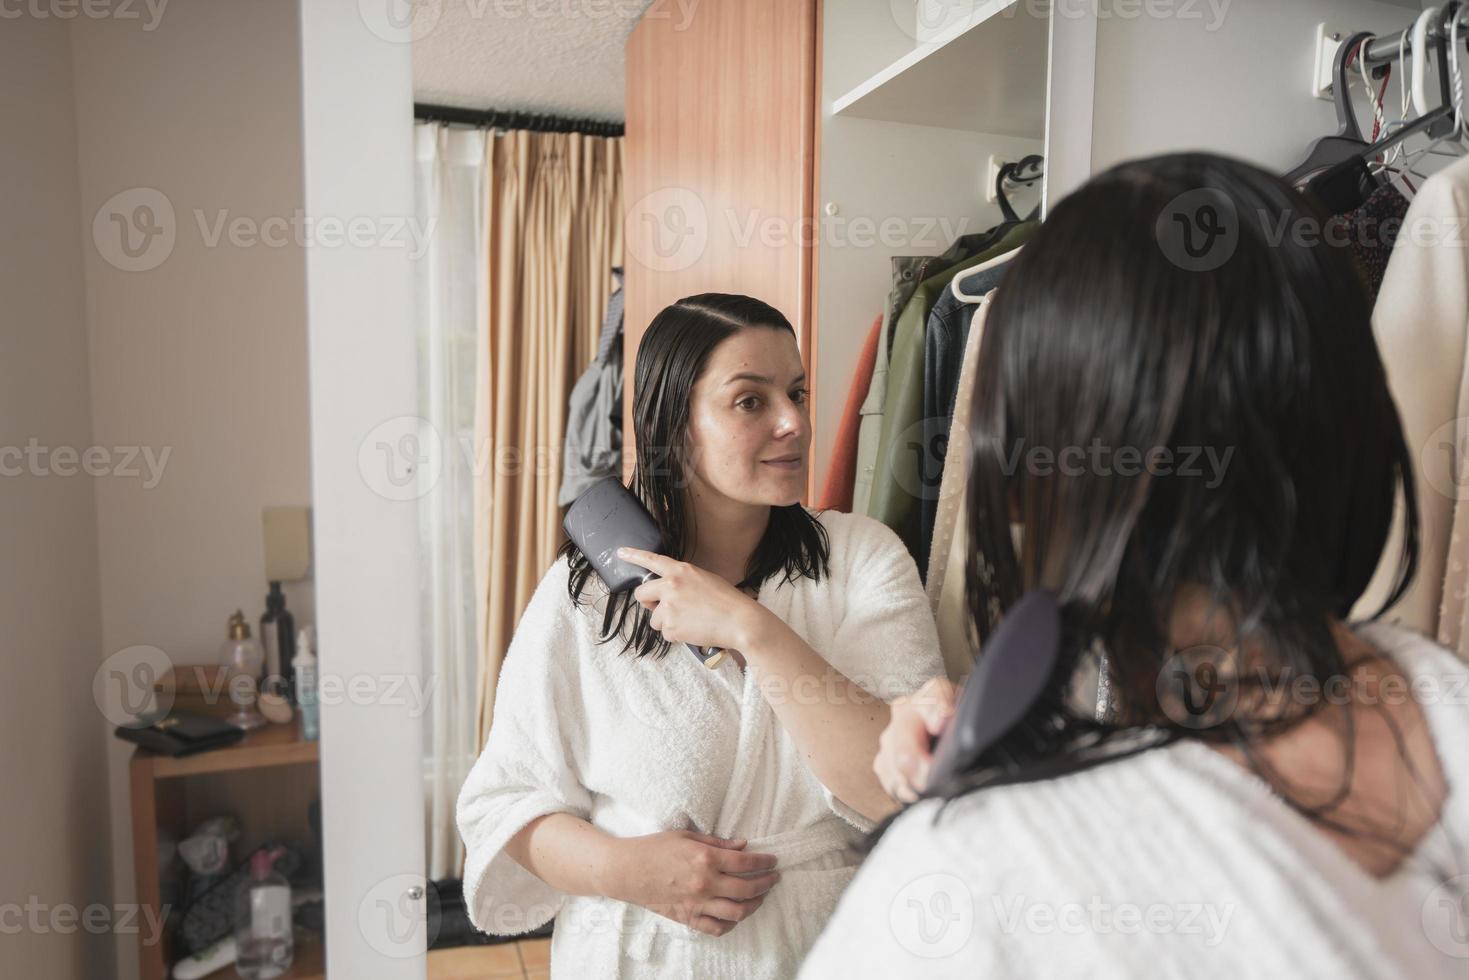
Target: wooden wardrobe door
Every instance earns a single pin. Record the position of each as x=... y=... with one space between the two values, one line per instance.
x=719 y=159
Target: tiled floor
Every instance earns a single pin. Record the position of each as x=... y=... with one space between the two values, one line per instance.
x=528 y=959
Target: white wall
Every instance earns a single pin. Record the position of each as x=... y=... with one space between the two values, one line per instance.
x=1237 y=84
x=204 y=355
x=51 y=736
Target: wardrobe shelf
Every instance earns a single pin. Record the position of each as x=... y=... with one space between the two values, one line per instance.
x=986 y=74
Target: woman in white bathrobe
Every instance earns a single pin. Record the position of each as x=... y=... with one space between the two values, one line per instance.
x=1272 y=790
x=677 y=820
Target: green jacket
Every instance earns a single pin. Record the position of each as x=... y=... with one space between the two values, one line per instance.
x=909 y=271
x=895 y=479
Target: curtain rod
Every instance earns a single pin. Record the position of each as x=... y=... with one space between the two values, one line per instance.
x=497 y=119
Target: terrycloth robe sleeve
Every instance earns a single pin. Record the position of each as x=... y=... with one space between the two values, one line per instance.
x=887 y=642
x=528 y=767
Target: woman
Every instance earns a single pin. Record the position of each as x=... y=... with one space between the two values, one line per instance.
x=1270 y=792
x=679 y=820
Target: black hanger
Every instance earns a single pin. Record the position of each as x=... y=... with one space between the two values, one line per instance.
x=1017 y=172
x=1347 y=185
x=1348 y=142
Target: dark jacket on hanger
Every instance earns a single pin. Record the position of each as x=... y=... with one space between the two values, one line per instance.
x=907 y=272
x=943 y=357
x=897 y=482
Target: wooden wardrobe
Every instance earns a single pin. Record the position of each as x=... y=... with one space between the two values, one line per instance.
x=789 y=148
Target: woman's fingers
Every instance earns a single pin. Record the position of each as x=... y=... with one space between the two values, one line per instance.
x=731 y=843
x=745 y=862
x=893 y=779
x=904 y=758
x=938 y=707
x=730 y=910
x=744 y=889
x=709 y=925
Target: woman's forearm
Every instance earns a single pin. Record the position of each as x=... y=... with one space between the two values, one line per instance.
x=834 y=722
x=566 y=852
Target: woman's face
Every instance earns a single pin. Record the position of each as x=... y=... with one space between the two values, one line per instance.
x=749 y=422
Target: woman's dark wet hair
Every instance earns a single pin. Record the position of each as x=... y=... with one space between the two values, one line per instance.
x=671 y=357
x=1174 y=304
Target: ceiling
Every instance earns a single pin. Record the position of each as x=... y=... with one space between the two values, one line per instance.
x=562 y=57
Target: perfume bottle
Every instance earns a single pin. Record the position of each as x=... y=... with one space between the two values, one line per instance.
x=242 y=660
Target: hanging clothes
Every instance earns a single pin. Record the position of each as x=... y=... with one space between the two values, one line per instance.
x=943 y=356
x=841 y=472
x=593 y=447
x=1422 y=321
x=950 y=541
x=1372 y=232
x=908 y=271
x=895 y=483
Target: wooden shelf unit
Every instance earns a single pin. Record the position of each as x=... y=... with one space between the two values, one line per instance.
x=267 y=779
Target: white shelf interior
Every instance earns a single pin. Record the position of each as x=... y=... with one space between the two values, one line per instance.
x=986 y=74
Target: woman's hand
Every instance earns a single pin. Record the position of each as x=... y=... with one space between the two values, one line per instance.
x=691 y=878
x=691 y=605
x=903 y=759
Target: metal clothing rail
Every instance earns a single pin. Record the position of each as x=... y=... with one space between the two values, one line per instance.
x=1385 y=49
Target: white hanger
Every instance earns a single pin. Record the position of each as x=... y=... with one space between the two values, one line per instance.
x=1404 y=107
x=1405 y=164
x=1456 y=73
x=1420 y=58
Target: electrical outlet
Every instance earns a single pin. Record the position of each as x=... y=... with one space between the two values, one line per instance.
x=1329 y=38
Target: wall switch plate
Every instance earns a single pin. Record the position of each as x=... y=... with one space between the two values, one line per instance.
x=991 y=176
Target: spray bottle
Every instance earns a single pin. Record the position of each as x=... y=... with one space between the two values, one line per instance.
x=305 y=669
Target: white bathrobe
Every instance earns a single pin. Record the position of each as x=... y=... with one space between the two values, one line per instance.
x=638 y=746
x=1174 y=863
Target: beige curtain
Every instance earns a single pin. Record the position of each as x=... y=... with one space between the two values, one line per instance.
x=554 y=225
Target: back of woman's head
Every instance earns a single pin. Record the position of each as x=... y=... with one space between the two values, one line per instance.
x=1179 y=394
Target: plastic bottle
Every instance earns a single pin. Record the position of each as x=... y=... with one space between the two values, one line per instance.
x=264 y=945
x=305 y=668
